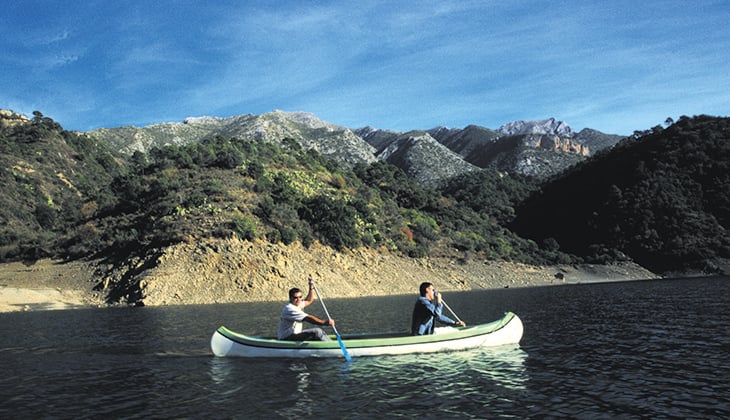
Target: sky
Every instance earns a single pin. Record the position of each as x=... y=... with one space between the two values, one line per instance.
x=614 y=66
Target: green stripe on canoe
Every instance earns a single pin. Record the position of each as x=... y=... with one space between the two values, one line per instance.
x=370 y=340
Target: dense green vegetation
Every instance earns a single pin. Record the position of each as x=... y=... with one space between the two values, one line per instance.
x=51 y=180
x=661 y=197
x=228 y=186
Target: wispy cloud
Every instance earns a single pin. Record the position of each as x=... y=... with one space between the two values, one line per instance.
x=613 y=66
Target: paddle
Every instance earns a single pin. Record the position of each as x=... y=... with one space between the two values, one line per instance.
x=450 y=310
x=339 y=339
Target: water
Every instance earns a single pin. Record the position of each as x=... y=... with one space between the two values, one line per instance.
x=652 y=349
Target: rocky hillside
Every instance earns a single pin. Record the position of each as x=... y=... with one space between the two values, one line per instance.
x=232 y=270
x=338 y=143
x=50 y=179
x=9 y=119
x=198 y=214
x=537 y=148
x=121 y=205
x=423 y=158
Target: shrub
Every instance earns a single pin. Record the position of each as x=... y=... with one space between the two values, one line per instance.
x=245 y=228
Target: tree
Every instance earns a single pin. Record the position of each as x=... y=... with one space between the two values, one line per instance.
x=332 y=220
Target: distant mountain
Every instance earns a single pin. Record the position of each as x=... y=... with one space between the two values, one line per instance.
x=538 y=148
x=417 y=153
x=425 y=159
x=548 y=126
x=535 y=155
x=467 y=141
x=379 y=139
x=558 y=135
x=338 y=143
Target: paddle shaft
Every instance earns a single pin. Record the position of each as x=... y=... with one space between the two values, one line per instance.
x=323 y=306
x=339 y=339
x=447 y=307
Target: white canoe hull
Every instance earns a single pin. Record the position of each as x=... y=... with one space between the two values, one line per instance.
x=507 y=330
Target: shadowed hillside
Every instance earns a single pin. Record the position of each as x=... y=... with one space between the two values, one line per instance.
x=661 y=197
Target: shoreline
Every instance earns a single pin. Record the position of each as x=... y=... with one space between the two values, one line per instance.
x=13 y=299
x=55 y=285
x=46 y=285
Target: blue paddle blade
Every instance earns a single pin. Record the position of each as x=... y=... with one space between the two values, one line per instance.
x=344 y=349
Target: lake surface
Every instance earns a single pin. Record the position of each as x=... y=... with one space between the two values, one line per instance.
x=652 y=349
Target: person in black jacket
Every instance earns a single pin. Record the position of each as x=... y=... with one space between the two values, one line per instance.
x=427 y=310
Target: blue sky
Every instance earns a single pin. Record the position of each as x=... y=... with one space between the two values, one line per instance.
x=616 y=66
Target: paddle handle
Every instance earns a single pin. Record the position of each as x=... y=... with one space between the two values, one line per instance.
x=323 y=306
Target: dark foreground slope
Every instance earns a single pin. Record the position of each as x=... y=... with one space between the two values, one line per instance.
x=663 y=199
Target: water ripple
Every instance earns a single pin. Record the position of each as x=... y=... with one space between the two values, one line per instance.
x=654 y=349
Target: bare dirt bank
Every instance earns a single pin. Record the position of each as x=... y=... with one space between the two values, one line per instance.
x=228 y=271
x=47 y=284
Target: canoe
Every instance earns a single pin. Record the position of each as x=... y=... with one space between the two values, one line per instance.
x=507 y=330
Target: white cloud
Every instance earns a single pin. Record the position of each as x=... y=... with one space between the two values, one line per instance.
x=395 y=65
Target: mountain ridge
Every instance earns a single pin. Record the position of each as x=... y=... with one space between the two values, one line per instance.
x=473 y=144
x=330 y=140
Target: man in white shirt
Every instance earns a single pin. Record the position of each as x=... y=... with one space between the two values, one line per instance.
x=292 y=316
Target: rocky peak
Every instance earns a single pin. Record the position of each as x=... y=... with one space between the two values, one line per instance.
x=549 y=126
x=9 y=118
x=556 y=143
x=424 y=158
x=441 y=132
x=299 y=117
x=379 y=139
x=204 y=120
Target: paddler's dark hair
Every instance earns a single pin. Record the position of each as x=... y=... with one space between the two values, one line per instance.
x=292 y=291
x=424 y=286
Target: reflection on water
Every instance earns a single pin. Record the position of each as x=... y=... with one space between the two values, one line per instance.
x=503 y=366
x=303 y=394
x=398 y=385
x=455 y=383
x=653 y=349
x=224 y=385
